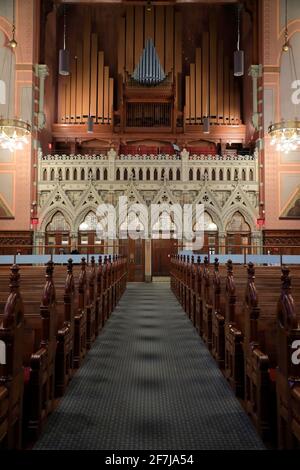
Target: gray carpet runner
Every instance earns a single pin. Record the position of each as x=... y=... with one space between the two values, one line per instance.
x=149 y=383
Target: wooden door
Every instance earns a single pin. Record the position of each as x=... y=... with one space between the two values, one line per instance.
x=237 y=243
x=60 y=242
x=162 y=250
x=134 y=250
x=88 y=243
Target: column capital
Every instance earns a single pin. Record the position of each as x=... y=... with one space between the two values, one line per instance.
x=255 y=71
x=41 y=70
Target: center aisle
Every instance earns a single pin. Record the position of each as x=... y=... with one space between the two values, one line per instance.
x=149 y=383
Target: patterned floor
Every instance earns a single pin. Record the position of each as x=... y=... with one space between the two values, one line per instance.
x=149 y=383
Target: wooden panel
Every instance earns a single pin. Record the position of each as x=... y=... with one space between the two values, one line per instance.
x=106 y=93
x=86 y=64
x=205 y=74
x=160 y=33
x=237 y=101
x=178 y=49
x=79 y=82
x=187 y=99
x=138 y=34
x=129 y=39
x=220 y=81
x=111 y=99
x=61 y=100
x=94 y=54
x=100 y=84
x=149 y=24
x=193 y=92
x=198 y=85
x=231 y=98
x=213 y=64
x=73 y=89
x=226 y=90
x=68 y=98
x=169 y=44
x=162 y=251
x=121 y=46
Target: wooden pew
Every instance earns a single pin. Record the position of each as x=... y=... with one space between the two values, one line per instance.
x=218 y=318
x=288 y=372
x=207 y=304
x=80 y=345
x=11 y=366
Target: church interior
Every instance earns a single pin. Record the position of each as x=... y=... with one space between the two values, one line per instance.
x=149 y=225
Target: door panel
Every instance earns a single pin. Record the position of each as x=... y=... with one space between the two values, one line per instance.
x=60 y=242
x=236 y=242
x=134 y=250
x=88 y=243
x=162 y=250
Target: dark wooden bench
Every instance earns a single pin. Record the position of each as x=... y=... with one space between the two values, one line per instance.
x=11 y=366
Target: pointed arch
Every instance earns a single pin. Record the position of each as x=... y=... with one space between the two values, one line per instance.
x=75 y=174
x=237 y=223
x=67 y=174
x=191 y=175
x=98 y=174
x=105 y=174
x=125 y=174
x=148 y=175
x=213 y=175
x=57 y=223
x=52 y=175
x=45 y=175
x=118 y=174
x=178 y=175
x=170 y=174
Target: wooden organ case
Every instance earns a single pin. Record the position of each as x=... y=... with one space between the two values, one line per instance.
x=150 y=76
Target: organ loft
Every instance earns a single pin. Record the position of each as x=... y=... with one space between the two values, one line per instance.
x=116 y=116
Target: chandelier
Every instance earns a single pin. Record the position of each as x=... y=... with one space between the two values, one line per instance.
x=285 y=135
x=13 y=131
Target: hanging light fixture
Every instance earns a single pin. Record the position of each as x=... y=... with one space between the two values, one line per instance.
x=206 y=125
x=285 y=135
x=64 y=54
x=90 y=125
x=238 y=54
x=13 y=131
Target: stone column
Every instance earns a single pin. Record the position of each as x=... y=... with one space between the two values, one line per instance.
x=257 y=242
x=148 y=261
x=184 y=164
x=39 y=243
x=74 y=240
x=42 y=72
x=222 y=243
x=112 y=155
x=255 y=71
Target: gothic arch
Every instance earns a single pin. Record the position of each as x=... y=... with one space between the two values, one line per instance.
x=48 y=216
x=248 y=216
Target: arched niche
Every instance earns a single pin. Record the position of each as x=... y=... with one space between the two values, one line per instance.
x=58 y=234
x=91 y=233
x=238 y=235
